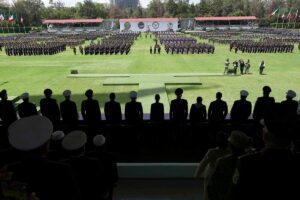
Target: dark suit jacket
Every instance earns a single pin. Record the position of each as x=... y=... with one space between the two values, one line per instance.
x=157 y=113
x=198 y=114
x=289 y=109
x=90 y=110
x=69 y=112
x=50 y=180
x=26 y=109
x=133 y=112
x=113 y=112
x=261 y=106
x=179 y=110
x=7 y=112
x=217 y=110
x=50 y=109
x=241 y=110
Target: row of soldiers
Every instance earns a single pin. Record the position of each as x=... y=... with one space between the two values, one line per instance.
x=34 y=49
x=119 y=43
x=259 y=47
x=187 y=48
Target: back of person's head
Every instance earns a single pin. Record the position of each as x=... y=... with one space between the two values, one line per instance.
x=219 y=95
x=99 y=142
x=74 y=143
x=25 y=96
x=89 y=93
x=199 y=99
x=47 y=93
x=244 y=94
x=133 y=95
x=266 y=91
x=179 y=92
x=277 y=130
x=290 y=94
x=31 y=135
x=112 y=96
x=238 y=141
x=67 y=94
x=3 y=94
x=222 y=139
x=157 y=97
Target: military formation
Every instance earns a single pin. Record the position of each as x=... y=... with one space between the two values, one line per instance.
x=180 y=44
x=262 y=47
x=115 y=44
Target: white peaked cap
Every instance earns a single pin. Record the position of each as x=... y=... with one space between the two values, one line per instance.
x=99 y=140
x=57 y=135
x=74 y=140
x=30 y=133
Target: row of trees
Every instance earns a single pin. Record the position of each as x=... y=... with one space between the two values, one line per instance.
x=34 y=11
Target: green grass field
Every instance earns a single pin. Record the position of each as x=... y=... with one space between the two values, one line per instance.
x=34 y=74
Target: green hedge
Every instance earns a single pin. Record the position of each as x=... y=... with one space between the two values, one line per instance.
x=15 y=29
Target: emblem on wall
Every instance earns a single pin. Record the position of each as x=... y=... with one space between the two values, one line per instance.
x=141 y=25
x=127 y=25
x=155 y=25
x=170 y=25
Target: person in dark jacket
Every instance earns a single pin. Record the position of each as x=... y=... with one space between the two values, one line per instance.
x=198 y=111
x=69 y=111
x=272 y=172
x=218 y=109
x=290 y=106
x=89 y=173
x=112 y=110
x=262 y=104
x=26 y=109
x=107 y=160
x=241 y=109
x=49 y=180
x=7 y=110
x=90 y=109
x=179 y=107
x=49 y=108
x=133 y=110
x=157 y=113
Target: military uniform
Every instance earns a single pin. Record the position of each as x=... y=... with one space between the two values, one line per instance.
x=26 y=109
x=157 y=113
x=113 y=112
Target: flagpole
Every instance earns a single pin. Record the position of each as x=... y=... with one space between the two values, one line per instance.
x=277 y=18
x=295 y=21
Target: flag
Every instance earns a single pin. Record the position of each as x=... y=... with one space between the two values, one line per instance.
x=289 y=16
x=1 y=18
x=11 y=19
x=296 y=15
x=275 y=12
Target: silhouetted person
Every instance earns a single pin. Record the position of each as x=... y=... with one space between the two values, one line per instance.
x=198 y=111
x=88 y=172
x=50 y=180
x=178 y=107
x=112 y=110
x=157 y=113
x=107 y=160
x=150 y=49
x=272 y=172
x=262 y=66
x=133 y=109
x=7 y=110
x=218 y=109
x=290 y=106
x=241 y=109
x=90 y=109
x=49 y=108
x=68 y=110
x=26 y=109
x=262 y=104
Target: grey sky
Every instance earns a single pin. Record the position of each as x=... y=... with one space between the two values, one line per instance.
x=73 y=2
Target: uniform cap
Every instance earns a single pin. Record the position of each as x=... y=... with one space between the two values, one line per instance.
x=133 y=94
x=74 y=140
x=25 y=95
x=99 y=140
x=244 y=93
x=239 y=139
x=30 y=133
x=291 y=93
x=57 y=135
x=67 y=93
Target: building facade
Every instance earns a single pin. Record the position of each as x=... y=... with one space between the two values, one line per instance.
x=125 y=3
x=149 y=24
